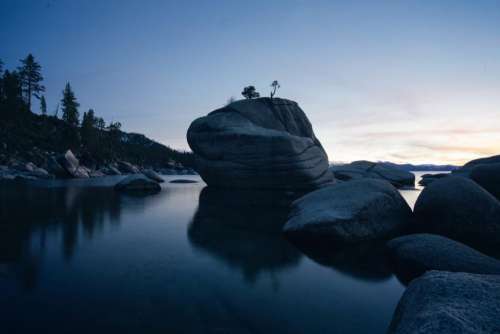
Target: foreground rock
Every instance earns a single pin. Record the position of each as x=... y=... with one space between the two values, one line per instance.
x=349 y=212
x=258 y=143
x=367 y=169
x=153 y=175
x=488 y=177
x=449 y=303
x=138 y=182
x=460 y=209
x=412 y=255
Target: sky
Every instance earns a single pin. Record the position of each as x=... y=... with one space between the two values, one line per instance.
x=402 y=81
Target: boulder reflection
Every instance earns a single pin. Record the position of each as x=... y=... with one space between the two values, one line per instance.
x=243 y=229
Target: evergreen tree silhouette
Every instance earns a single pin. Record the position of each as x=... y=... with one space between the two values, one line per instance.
x=31 y=78
x=70 y=106
x=43 y=106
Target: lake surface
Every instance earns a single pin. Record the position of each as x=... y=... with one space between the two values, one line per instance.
x=75 y=259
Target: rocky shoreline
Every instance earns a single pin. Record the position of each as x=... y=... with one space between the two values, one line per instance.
x=67 y=166
x=446 y=249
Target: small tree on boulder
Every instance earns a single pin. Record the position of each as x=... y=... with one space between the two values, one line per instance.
x=249 y=92
x=275 y=85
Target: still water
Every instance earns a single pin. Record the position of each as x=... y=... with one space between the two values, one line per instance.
x=75 y=259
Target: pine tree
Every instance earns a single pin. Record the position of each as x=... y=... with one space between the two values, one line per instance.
x=12 y=99
x=31 y=79
x=43 y=106
x=70 y=106
x=88 y=128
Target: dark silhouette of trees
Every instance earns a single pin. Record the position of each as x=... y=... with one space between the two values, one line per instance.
x=31 y=78
x=249 y=92
x=275 y=85
x=43 y=106
x=88 y=128
x=11 y=99
x=70 y=106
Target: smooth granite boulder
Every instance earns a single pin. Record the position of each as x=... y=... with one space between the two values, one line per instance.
x=449 y=303
x=349 y=212
x=488 y=177
x=138 y=182
x=427 y=179
x=413 y=255
x=127 y=168
x=367 y=169
x=466 y=169
x=259 y=143
x=460 y=209
x=72 y=166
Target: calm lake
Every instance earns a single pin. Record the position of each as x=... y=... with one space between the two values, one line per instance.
x=75 y=259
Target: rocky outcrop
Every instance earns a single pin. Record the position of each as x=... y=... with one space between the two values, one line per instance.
x=488 y=177
x=460 y=209
x=449 y=303
x=349 y=212
x=427 y=179
x=153 y=175
x=138 y=182
x=367 y=169
x=127 y=168
x=258 y=143
x=71 y=165
x=413 y=255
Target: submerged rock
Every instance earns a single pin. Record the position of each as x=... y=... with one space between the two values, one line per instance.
x=138 y=182
x=259 y=143
x=460 y=209
x=153 y=175
x=488 y=177
x=183 y=181
x=367 y=169
x=349 y=212
x=412 y=255
x=449 y=303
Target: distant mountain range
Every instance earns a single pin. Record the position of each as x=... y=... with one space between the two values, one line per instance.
x=414 y=168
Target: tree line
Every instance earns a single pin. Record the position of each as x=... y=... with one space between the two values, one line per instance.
x=21 y=86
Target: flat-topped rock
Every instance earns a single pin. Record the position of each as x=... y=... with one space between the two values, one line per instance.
x=349 y=212
x=367 y=169
x=449 y=303
x=259 y=143
x=413 y=255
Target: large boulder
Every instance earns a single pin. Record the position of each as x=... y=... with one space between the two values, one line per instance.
x=427 y=179
x=258 y=143
x=412 y=255
x=488 y=177
x=367 y=169
x=460 y=209
x=449 y=303
x=466 y=169
x=138 y=182
x=349 y=212
x=72 y=166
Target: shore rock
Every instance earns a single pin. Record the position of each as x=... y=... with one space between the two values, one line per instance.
x=71 y=165
x=259 y=143
x=412 y=255
x=153 y=175
x=460 y=209
x=429 y=178
x=127 y=168
x=349 y=212
x=138 y=182
x=488 y=177
x=367 y=169
x=449 y=303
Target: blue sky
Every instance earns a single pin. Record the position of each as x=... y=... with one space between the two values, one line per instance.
x=406 y=81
